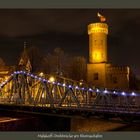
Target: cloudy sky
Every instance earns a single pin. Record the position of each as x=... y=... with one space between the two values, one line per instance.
x=51 y=28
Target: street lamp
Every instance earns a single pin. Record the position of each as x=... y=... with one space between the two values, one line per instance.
x=41 y=74
x=51 y=79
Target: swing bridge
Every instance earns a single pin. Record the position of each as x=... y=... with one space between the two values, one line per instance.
x=27 y=92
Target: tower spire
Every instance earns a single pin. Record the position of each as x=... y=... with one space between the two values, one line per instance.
x=24 y=62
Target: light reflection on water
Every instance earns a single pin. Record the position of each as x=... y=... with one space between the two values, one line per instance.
x=93 y=125
x=76 y=124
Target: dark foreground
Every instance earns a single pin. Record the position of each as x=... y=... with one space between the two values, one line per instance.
x=19 y=122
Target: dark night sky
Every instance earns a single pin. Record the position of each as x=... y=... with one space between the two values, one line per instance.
x=48 y=29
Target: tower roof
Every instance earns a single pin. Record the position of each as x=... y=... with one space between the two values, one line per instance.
x=24 y=56
x=98 y=28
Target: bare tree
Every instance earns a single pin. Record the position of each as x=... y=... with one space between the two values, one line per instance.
x=49 y=64
x=35 y=57
x=60 y=63
x=58 y=54
x=53 y=62
x=77 y=69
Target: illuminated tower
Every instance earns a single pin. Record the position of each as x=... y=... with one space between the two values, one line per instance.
x=100 y=73
x=97 y=42
x=97 y=52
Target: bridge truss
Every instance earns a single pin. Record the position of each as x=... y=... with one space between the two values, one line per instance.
x=23 y=88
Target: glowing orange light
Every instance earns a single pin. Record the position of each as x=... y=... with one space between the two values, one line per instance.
x=98 y=28
x=97 y=56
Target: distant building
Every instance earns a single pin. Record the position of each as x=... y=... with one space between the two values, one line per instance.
x=99 y=72
x=24 y=62
x=5 y=72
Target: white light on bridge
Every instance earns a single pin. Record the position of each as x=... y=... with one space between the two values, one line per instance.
x=105 y=91
x=133 y=94
x=97 y=90
x=123 y=93
x=44 y=80
x=114 y=92
x=90 y=89
x=83 y=88
x=76 y=87
x=39 y=78
x=36 y=77
x=24 y=72
x=58 y=84
x=64 y=85
x=32 y=75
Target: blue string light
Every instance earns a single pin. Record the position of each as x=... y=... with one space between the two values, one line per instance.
x=133 y=94
x=58 y=84
x=40 y=78
x=64 y=85
x=114 y=92
x=44 y=80
x=76 y=87
x=90 y=89
x=35 y=77
x=123 y=93
x=97 y=90
x=83 y=88
x=105 y=91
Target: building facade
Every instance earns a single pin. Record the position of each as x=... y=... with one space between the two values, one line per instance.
x=99 y=72
x=5 y=72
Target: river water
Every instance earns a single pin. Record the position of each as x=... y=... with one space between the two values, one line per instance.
x=51 y=123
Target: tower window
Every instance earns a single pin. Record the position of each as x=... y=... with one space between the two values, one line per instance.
x=101 y=42
x=102 y=55
x=95 y=76
x=95 y=42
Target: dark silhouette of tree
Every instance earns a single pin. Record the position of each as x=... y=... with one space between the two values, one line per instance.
x=54 y=63
x=2 y=63
x=134 y=82
x=58 y=63
x=49 y=64
x=77 y=69
x=58 y=54
x=36 y=58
